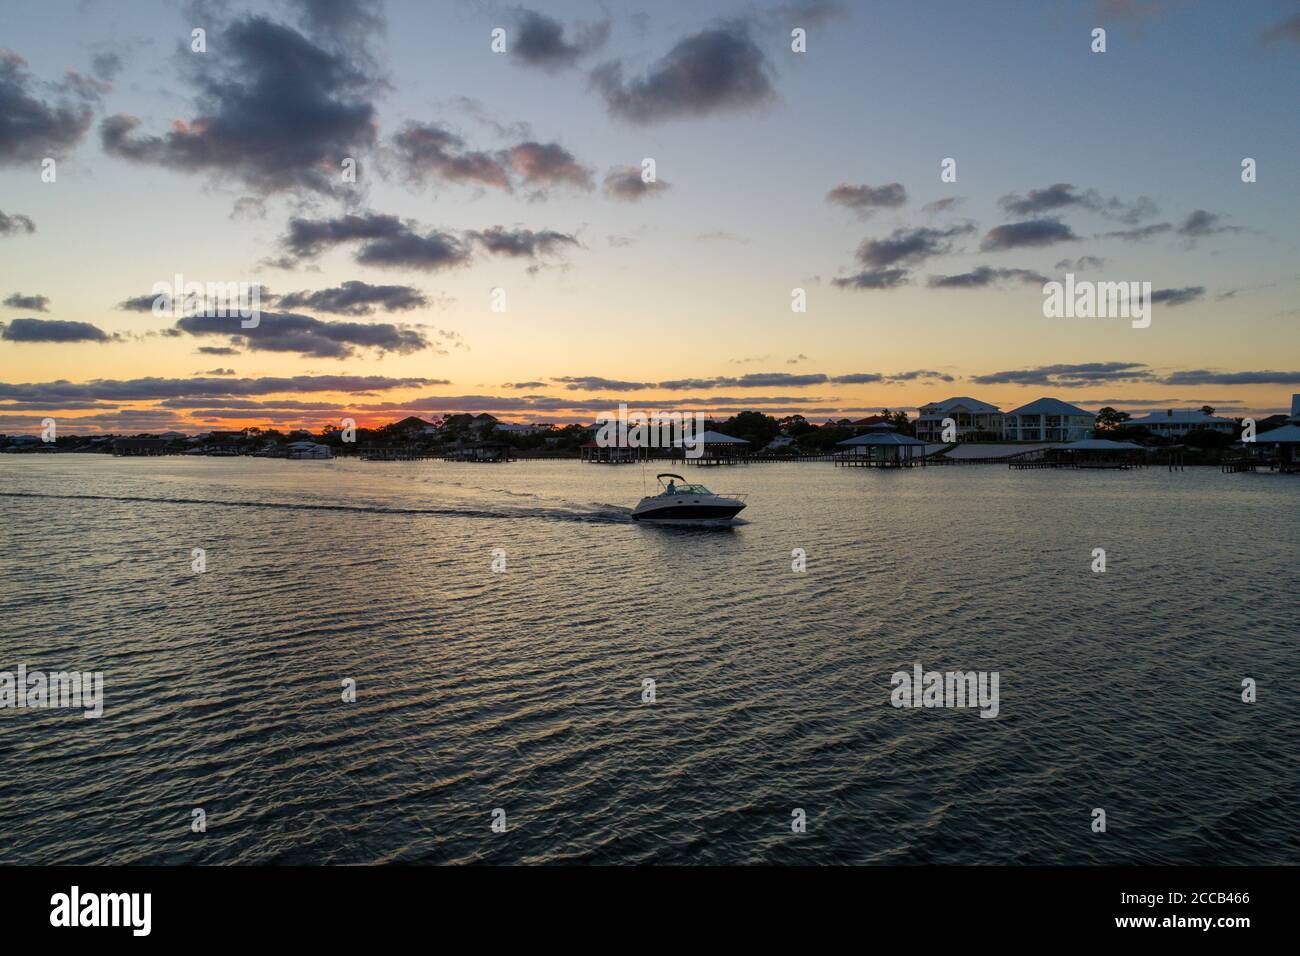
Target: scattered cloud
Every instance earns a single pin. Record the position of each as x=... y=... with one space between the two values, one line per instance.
x=307 y=336
x=52 y=330
x=865 y=200
x=985 y=276
x=355 y=298
x=1064 y=196
x=539 y=41
x=28 y=303
x=1178 y=296
x=1027 y=234
x=41 y=119
x=626 y=183
x=12 y=225
x=1070 y=376
x=877 y=279
x=709 y=72
x=1287 y=31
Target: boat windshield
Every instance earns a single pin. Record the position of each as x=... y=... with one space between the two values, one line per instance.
x=688 y=490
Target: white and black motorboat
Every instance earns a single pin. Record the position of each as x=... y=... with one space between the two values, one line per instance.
x=687 y=503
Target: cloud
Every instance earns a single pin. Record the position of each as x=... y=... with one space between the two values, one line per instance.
x=539 y=41
x=1030 y=233
x=985 y=276
x=868 y=378
x=1178 y=296
x=307 y=238
x=28 y=303
x=709 y=72
x=427 y=150
x=1140 y=234
x=291 y=332
x=522 y=243
x=909 y=246
x=11 y=225
x=625 y=183
x=942 y=205
x=1287 y=31
x=1064 y=195
x=809 y=12
x=1209 y=377
x=1081 y=264
x=218 y=350
x=355 y=298
x=591 y=383
x=52 y=330
x=219 y=371
x=1200 y=223
x=347 y=23
x=524 y=385
x=548 y=164
x=878 y=279
x=33 y=127
x=276 y=111
x=865 y=200
x=386 y=241
x=156 y=389
x=106 y=65
x=1070 y=376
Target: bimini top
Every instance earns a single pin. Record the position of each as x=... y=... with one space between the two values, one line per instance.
x=670 y=475
x=1101 y=444
x=882 y=438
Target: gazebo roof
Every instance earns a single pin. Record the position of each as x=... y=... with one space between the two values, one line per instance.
x=715 y=438
x=882 y=438
x=1101 y=444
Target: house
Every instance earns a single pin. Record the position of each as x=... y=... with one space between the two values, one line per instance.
x=1177 y=422
x=1048 y=419
x=511 y=428
x=308 y=449
x=969 y=414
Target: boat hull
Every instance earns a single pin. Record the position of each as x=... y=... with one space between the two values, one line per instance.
x=678 y=512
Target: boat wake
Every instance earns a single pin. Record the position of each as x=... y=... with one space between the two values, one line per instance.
x=610 y=516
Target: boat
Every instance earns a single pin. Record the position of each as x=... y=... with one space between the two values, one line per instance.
x=687 y=502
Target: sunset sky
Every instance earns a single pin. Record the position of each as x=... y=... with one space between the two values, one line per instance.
x=520 y=171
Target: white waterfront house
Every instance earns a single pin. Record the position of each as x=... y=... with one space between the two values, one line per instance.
x=308 y=449
x=1177 y=422
x=969 y=414
x=1048 y=419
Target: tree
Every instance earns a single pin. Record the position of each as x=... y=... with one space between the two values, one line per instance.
x=1108 y=419
x=1207 y=409
x=755 y=427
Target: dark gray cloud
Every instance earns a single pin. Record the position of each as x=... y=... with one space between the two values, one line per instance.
x=868 y=378
x=156 y=389
x=28 y=303
x=427 y=150
x=751 y=380
x=909 y=246
x=385 y=241
x=355 y=298
x=1209 y=377
x=942 y=205
x=548 y=164
x=591 y=383
x=106 y=65
x=1200 y=223
x=805 y=13
x=523 y=243
x=865 y=200
x=307 y=336
x=307 y=238
x=33 y=126
x=625 y=183
x=985 y=276
x=539 y=41
x=518 y=385
x=1027 y=234
x=275 y=110
x=52 y=330
x=1064 y=195
x=1070 y=376
x=875 y=279
x=708 y=72
x=1081 y=264
x=1141 y=234
x=347 y=23
x=1178 y=296
x=218 y=350
x=12 y=225
x=1287 y=31
x=219 y=371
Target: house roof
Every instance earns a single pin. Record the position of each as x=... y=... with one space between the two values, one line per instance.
x=882 y=438
x=715 y=438
x=1050 y=406
x=970 y=404
x=1179 y=416
x=1286 y=435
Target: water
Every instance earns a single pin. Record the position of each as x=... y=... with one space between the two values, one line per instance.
x=522 y=690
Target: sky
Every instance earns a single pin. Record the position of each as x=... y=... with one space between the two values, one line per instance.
x=499 y=249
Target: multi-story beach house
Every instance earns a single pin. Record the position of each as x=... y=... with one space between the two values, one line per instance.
x=1048 y=419
x=969 y=415
x=1177 y=422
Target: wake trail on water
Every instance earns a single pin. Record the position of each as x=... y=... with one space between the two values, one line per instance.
x=549 y=514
